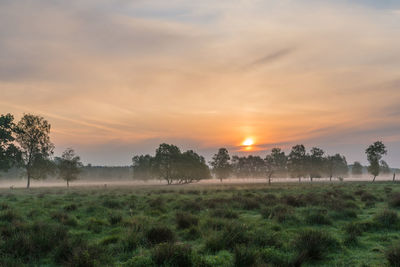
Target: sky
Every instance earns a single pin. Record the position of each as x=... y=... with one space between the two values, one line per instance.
x=116 y=78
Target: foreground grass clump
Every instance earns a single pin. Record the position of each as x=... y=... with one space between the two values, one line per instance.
x=311 y=224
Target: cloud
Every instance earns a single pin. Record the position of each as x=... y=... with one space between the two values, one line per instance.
x=209 y=72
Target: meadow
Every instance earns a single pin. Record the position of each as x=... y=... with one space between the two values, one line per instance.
x=308 y=224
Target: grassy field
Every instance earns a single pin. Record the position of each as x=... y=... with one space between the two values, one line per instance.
x=319 y=224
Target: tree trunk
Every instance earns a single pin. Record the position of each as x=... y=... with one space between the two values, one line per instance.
x=374 y=179
x=269 y=180
x=311 y=178
x=330 y=178
x=299 y=179
x=220 y=179
x=67 y=184
x=394 y=176
x=28 y=184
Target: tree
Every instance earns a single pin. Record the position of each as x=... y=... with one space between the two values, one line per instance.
x=357 y=168
x=220 y=163
x=32 y=135
x=275 y=163
x=173 y=166
x=315 y=162
x=10 y=155
x=297 y=160
x=250 y=166
x=374 y=155
x=69 y=165
x=166 y=162
x=336 y=166
x=143 y=167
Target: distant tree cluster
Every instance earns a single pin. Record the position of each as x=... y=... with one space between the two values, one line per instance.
x=171 y=165
x=297 y=164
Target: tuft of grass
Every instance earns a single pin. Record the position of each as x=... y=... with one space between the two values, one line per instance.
x=313 y=245
x=160 y=234
x=172 y=254
x=386 y=219
x=186 y=220
x=395 y=200
x=393 y=255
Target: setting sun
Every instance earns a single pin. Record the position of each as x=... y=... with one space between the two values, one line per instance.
x=248 y=142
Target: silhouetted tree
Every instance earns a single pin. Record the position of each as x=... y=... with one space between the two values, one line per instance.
x=275 y=163
x=220 y=163
x=69 y=166
x=297 y=161
x=336 y=166
x=32 y=135
x=248 y=167
x=374 y=155
x=357 y=168
x=166 y=162
x=10 y=155
x=192 y=168
x=143 y=167
x=315 y=163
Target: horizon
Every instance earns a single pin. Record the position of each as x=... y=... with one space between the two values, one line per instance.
x=115 y=79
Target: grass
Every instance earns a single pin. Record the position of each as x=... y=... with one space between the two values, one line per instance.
x=319 y=224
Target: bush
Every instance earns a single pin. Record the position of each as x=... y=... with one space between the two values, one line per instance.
x=186 y=220
x=70 y=207
x=225 y=213
x=368 y=197
x=395 y=200
x=115 y=218
x=393 y=255
x=112 y=204
x=170 y=254
x=386 y=219
x=294 y=201
x=96 y=225
x=160 y=234
x=281 y=213
x=274 y=257
x=139 y=261
x=232 y=234
x=245 y=256
x=313 y=244
x=317 y=217
x=221 y=259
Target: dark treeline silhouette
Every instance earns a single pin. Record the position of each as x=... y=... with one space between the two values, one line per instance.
x=26 y=150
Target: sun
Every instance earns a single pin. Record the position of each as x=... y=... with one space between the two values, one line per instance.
x=248 y=142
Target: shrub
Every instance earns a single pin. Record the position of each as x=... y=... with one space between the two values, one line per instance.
x=186 y=220
x=115 y=218
x=245 y=256
x=221 y=259
x=313 y=244
x=368 y=197
x=280 y=212
x=317 y=217
x=170 y=254
x=274 y=257
x=160 y=234
x=250 y=203
x=393 y=255
x=386 y=219
x=112 y=204
x=139 y=261
x=9 y=216
x=232 y=234
x=225 y=213
x=157 y=203
x=70 y=207
x=294 y=201
x=395 y=200
x=96 y=225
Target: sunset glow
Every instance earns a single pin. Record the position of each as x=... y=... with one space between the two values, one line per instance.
x=116 y=78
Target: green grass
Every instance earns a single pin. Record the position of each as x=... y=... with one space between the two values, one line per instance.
x=319 y=224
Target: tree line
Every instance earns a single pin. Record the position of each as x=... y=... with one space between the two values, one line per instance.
x=26 y=145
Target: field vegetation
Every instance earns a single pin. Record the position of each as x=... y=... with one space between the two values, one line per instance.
x=314 y=224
